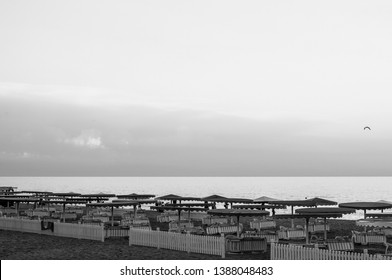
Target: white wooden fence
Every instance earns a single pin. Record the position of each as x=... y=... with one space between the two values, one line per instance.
x=209 y=245
x=290 y=252
x=81 y=231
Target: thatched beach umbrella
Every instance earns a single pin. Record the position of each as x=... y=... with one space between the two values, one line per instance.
x=98 y=197
x=258 y=207
x=66 y=194
x=179 y=208
x=322 y=212
x=313 y=202
x=112 y=205
x=174 y=198
x=226 y=200
x=238 y=213
x=138 y=203
x=264 y=199
x=366 y=206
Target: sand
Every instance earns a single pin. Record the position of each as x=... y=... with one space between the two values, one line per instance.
x=28 y=246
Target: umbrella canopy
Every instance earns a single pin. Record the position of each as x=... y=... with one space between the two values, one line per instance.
x=366 y=206
x=378 y=223
x=69 y=194
x=16 y=196
x=138 y=201
x=98 y=195
x=37 y=193
x=179 y=209
x=322 y=212
x=215 y=198
x=19 y=199
x=238 y=213
x=174 y=198
x=257 y=206
x=185 y=205
x=264 y=199
x=136 y=196
x=313 y=202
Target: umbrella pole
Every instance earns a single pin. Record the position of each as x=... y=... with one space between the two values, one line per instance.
x=364 y=213
x=306 y=230
x=292 y=213
x=112 y=215
x=63 y=212
x=325 y=229
x=238 y=226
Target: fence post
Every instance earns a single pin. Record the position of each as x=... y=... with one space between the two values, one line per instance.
x=223 y=246
x=272 y=248
x=158 y=238
x=365 y=254
x=102 y=233
x=188 y=241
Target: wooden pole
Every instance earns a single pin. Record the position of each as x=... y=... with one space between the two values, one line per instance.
x=306 y=230
x=325 y=229
x=112 y=215
x=238 y=226
x=64 y=212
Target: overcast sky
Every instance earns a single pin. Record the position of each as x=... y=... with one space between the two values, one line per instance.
x=195 y=88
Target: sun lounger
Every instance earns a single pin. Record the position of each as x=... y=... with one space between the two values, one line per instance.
x=269 y=236
x=335 y=245
x=262 y=224
x=245 y=244
x=366 y=238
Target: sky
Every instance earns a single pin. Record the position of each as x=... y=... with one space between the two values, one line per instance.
x=195 y=88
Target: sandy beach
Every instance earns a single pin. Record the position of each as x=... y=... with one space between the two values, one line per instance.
x=27 y=246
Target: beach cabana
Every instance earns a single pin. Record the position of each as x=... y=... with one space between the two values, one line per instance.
x=366 y=206
x=322 y=212
x=111 y=205
x=238 y=213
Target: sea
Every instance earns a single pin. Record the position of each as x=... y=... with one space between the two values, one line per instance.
x=339 y=189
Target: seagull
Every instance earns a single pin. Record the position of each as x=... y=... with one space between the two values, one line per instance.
x=366 y=127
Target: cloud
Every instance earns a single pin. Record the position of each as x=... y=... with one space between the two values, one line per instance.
x=88 y=139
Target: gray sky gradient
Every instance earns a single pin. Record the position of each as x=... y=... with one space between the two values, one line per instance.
x=195 y=88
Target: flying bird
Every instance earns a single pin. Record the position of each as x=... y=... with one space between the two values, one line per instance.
x=366 y=127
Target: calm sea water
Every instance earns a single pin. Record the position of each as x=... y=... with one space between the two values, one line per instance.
x=340 y=189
